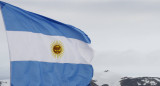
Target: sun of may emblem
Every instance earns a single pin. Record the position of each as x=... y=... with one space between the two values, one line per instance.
x=57 y=49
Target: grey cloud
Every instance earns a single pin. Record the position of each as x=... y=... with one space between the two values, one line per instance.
x=98 y=6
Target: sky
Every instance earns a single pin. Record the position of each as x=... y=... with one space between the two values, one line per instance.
x=124 y=33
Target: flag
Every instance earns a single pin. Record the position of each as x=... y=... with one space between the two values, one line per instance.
x=45 y=52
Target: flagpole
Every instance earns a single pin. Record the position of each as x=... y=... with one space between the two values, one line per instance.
x=2 y=26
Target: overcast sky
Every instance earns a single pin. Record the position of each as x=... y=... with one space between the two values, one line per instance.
x=125 y=33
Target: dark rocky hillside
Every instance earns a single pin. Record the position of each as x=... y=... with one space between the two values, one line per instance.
x=140 y=81
x=93 y=83
x=2 y=83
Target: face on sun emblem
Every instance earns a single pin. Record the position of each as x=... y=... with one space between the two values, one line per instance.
x=57 y=49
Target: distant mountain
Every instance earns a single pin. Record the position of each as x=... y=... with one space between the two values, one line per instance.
x=140 y=81
x=108 y=78
x=4 y=83
x=93 y=83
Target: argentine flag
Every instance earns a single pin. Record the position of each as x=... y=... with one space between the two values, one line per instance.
x=45 y=52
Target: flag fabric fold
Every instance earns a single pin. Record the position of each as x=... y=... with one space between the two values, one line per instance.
x=45 y=52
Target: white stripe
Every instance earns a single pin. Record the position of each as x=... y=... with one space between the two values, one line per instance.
x=28 y=46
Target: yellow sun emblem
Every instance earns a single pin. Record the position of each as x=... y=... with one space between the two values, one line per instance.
x=57 y=49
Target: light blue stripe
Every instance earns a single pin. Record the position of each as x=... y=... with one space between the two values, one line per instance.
x=17 y=19
x=33 y=73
